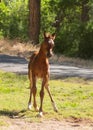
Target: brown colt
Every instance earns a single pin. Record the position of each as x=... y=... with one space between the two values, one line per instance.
x=38 y=67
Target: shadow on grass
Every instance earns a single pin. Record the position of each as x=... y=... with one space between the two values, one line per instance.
x=13 y=114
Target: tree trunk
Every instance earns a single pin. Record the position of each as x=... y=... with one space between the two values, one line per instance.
x=34 y=20
x=85 y=11
x=58 y=20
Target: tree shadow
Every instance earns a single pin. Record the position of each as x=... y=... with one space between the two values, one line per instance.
x=13 y=114
x=12 y=59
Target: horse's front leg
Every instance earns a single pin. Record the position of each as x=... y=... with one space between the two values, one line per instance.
x=52 y=100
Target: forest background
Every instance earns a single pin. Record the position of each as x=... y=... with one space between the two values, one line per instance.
x=72 y=20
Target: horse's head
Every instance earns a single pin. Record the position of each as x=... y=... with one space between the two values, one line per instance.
x=49 y=44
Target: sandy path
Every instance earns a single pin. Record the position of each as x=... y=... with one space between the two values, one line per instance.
x=17 y=124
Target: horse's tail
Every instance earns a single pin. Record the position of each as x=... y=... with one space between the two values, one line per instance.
x=30 y=74
x=30 y=67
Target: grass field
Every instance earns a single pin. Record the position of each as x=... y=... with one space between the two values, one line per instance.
x=73 y=96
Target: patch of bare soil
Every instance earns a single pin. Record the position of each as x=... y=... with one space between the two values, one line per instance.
x=16 y=48
x=21 y=124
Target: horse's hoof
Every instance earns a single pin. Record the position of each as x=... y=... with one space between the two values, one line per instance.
x=40 y=114
x=29 y=106
x=56 y=110
x=54 y=107
x=37 y=109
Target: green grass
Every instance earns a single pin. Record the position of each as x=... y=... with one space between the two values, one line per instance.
x=73 y=96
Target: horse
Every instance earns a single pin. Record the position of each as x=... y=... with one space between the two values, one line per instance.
x=38 y=67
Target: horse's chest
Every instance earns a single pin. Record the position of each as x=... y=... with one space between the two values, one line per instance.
x=41 y=69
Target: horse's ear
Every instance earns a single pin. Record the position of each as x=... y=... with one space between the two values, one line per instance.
x=46 y=35
x=53 y=36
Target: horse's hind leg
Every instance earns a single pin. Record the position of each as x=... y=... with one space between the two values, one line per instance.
x=30 y=98
x=34 y=89
x=31 y=88
x=31 y=84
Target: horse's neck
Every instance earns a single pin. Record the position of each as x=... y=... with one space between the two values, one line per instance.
x=42 y=56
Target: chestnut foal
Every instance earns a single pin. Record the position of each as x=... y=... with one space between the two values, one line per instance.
x=38 y=67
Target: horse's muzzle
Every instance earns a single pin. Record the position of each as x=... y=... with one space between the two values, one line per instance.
x=49 y=55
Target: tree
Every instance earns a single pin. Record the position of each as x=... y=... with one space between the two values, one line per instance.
x=85 y=11
x=86 y=40
x=34 y=20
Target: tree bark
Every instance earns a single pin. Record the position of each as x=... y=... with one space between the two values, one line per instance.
x=34 y=20
x=85 y=11
x=58 y=20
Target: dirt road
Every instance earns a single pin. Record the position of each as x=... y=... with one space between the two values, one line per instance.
x=19 y=65
x=18 y=124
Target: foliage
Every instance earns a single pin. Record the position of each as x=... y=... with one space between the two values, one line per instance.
x=48 y=14
x=14 y=23
x=4 y=14
x=74 y=35
x=74 y=38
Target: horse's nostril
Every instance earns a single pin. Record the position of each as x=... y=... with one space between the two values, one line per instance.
x=49 y=55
